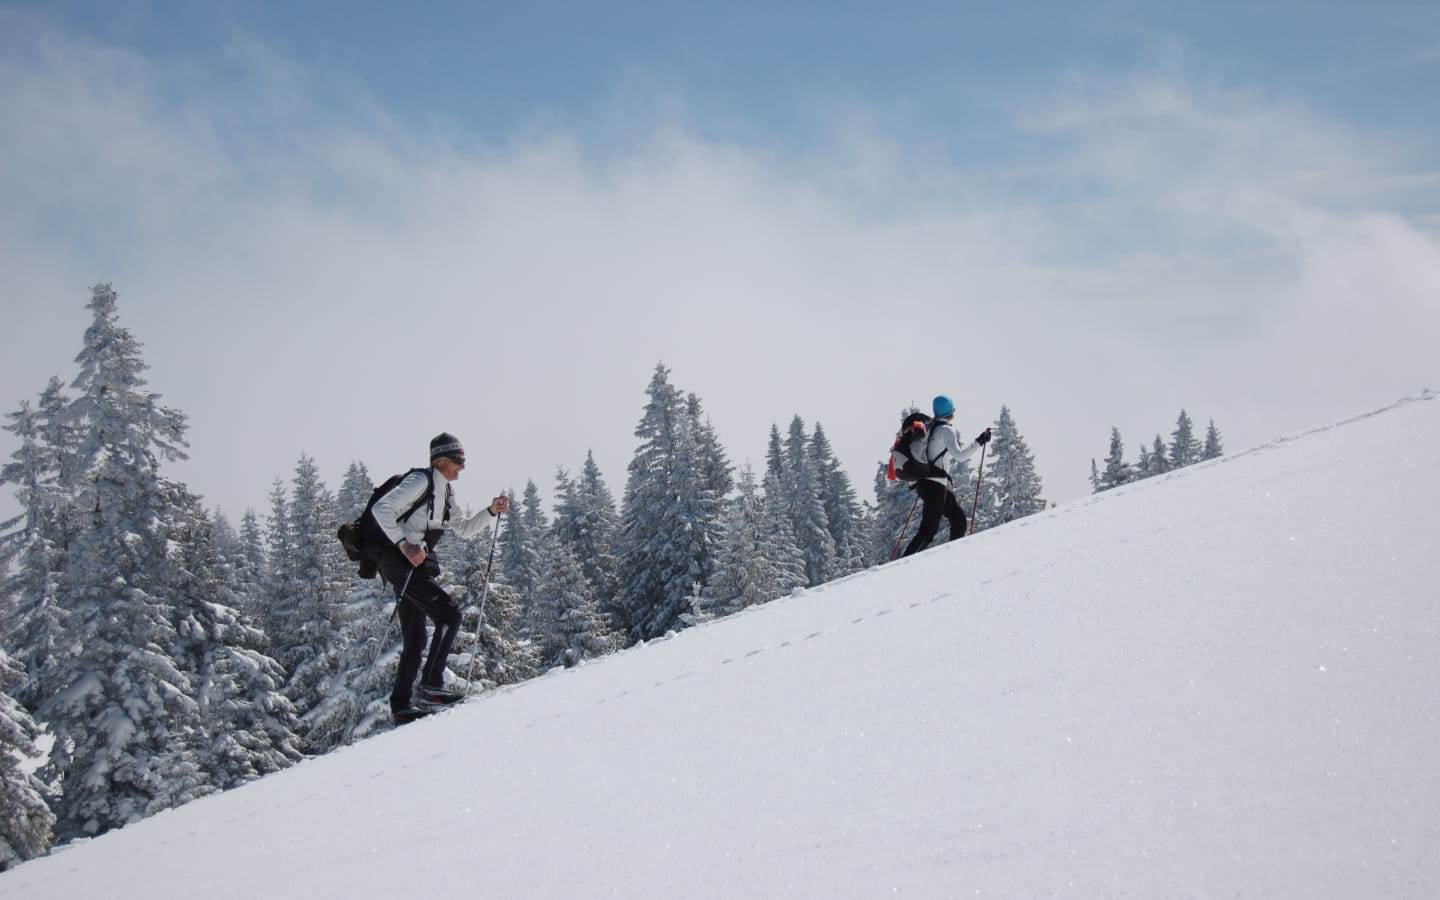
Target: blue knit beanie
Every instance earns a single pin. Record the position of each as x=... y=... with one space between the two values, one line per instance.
x=943 y=406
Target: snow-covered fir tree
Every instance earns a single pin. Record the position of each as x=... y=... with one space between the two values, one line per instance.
x=249 y=726
x=33 y=545
x=226 y=544
x=354 y=692
x=1214 y=447
x=587 y=523
x=122 y=713
x=274 y=607
x=670 y=516
x=1159 y=458
x=503 y=655
x=574 y=629
x=757 y=559
x=522 y=543
x=896 y=518
x=711 y=465
x=732 y=588
x=775 y=453
x=846 y=517
x=250 y=569
x=1017 y=484
x=313 y=578
x=1185 y=447
x=800 y=487
x=1117 y=470
x=778 y=540
x=26 y=823
x=1144 y=467
x=355 y=491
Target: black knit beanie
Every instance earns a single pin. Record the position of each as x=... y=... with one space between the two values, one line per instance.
x=444 y=444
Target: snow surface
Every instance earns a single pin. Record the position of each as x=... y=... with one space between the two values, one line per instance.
x=1222 y=682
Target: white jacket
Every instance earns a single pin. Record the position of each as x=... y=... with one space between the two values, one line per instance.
x=943 y=449
x=429 y=515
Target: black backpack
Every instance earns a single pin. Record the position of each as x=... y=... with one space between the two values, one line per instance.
x=909 y=460
x=363 y=539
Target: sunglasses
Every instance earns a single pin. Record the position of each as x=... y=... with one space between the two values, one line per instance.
x=459 y=460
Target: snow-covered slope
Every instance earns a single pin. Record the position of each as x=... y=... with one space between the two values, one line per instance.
x=1224 y=682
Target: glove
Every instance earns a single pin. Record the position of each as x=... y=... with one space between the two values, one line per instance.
x=984 y=438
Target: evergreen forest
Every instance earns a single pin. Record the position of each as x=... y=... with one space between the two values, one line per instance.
x=153 y=652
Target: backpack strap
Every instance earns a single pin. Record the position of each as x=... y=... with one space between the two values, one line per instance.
x=427 y=497
x=934 y=464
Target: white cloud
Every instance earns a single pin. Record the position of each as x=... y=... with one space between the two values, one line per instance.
x=308 y=276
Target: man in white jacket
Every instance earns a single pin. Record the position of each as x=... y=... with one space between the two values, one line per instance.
x=942 y=448
x=414 y=516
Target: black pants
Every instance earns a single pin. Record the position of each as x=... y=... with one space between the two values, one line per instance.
x=423 y=599
x=938 y=501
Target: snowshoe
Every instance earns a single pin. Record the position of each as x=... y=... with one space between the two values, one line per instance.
x=409 y=714
x=437 y=696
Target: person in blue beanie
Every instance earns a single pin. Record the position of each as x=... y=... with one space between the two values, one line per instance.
x=942 y=449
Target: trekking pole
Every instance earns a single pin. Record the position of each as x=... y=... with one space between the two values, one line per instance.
x=400 y=597
x=979 y=472
x=484 y=593
x=906 y=526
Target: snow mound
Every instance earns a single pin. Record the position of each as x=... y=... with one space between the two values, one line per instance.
x=1225 y=681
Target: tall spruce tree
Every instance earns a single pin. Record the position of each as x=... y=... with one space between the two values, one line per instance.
x=1214 y=447
x=250 y=568
x=775 y=454
x=1159 y=458
x=587 y=523
x=1117 y=470
x=313 y=578
x=522 y=543
x=778 y=546
x=249 y=726
x=353 y=693
x=33 y=545
x=355 y=491
x=757 y=559
x=574 y=627
x=669 y=518
x=1017 y=484
x=710 y=463
x=502 y=654
x=1185 y=447
x=273 y=605
x=800 y=484
x=122 y=713
x=844 y=514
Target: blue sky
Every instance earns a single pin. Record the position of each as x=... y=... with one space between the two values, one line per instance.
x=1095 y=213
x=492 y=68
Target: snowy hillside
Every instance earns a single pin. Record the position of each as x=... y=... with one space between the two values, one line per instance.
x=1224 y=682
